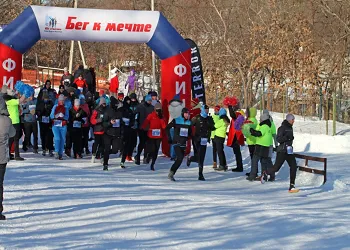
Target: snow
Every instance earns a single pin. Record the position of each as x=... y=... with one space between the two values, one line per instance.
x=73 y=204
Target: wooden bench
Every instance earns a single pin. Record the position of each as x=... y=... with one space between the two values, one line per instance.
x=313 y=170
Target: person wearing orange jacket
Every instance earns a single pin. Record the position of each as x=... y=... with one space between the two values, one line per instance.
x=235 y=137
x=156 y=131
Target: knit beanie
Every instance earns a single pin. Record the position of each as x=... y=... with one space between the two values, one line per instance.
x=157 y=106
x=61 y=98
x=77 y=102
x=290 y=117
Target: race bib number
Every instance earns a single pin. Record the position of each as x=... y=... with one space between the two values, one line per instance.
x=289 y=150
x=31 y=107
x=57 y=123
x=156 y=132
x=204 y=141
x=27 y=117
x=116 y=124
x=45 y=119
x=184 y=132
x=126 y=121
x=76 y=124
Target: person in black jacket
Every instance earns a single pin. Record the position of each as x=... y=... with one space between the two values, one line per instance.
x=43 y=111
x=133 y=132
x=114 y=129
x=285 y=139
x=51 y=92
x=97 y=122
x=129 y=120
x=204 y=125
x=76 y=115
x=182 y=133
x=142 y=111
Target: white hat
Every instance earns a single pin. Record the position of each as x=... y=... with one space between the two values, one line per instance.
x=77 y=102
x=61 y=98
x=65 y=69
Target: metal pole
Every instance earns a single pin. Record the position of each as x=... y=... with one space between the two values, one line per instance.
x=81 y=53
x=71 y=54
x=334 y=113
x=327 y=117
x=153 y=55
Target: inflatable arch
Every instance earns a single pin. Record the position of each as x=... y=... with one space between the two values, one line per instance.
x=54 y=23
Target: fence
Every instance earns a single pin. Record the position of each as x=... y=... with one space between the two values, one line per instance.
x=331 y=112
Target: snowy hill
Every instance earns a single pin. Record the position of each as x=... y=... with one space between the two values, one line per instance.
x=73 y=204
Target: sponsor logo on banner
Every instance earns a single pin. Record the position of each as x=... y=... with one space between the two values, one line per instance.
x=198 y=88
x=96 y=25
x=51 y=24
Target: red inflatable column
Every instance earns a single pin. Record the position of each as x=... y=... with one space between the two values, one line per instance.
x=10 y=66
x=176 y=79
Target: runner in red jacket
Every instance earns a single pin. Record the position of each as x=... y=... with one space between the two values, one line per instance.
x=156 y=132
x=81 y=83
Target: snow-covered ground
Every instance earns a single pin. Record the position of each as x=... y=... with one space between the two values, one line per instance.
x=73 y=204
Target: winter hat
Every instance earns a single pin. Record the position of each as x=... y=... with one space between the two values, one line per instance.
x=133 y=96
x=290 y=117
x=264 y=117
x=121 y=95
x=252 y=112
x=153 y=93
x=148 y=98
x=77 y=102
x=222 y=112
x=217 y=108
x=70 y=89
x=265 y=111
x=61 y=98
x=65 y=69
x=195 y=101
x=102 y=100
x=157 y=106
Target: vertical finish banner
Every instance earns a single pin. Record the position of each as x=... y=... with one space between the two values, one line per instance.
x=198 y=89
x=10 y=66
x=176 y=79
